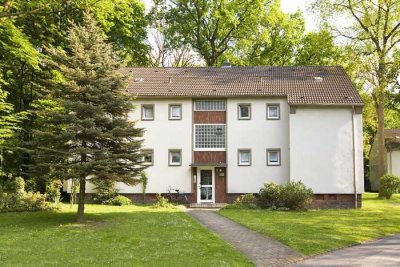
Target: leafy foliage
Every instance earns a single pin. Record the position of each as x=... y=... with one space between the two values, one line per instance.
x=162 y=202
x=118 y=201
x=293 y=195
x=247 y=201
x=21 y=200
x=390 y=185
x=105 y=191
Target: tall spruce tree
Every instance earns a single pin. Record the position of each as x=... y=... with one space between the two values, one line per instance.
x=97 y=141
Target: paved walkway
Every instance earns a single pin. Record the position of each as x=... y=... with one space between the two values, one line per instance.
x=381 y=252
x=262 y=250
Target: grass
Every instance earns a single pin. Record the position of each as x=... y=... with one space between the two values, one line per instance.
x=113 y=236
x=318 y=231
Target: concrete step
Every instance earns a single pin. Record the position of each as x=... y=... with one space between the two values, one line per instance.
x=207 y=205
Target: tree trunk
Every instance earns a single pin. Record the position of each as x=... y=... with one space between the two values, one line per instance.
x=81 y=199
x=381 y=140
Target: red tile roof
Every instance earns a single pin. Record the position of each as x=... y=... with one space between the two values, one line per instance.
x=301 y=85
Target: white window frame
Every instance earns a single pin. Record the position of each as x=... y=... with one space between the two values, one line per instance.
x=278 y=112
x=170 y=163
x=150 y=151
x=244 y=150
x=209 y=100
x=248 y=105
x=143 y=107
x=210 y=148
x=170 y=108
x=273 y=150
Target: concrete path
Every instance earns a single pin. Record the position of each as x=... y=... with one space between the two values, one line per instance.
x=381 y=252
x=262 y=250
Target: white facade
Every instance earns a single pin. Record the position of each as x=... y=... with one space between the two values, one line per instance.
x=257 y=134
x=393 y=162
x=321 y=149
x=315 y=144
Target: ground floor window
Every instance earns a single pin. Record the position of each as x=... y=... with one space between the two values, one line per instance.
x=148 y=156
x=244 y=157
x=273 y=157
x=175 y=157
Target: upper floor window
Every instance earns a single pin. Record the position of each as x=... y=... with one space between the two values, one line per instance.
x=210 y=105
x=244 y=111
x=147 y=112
x=244 y=157
x=209 y=137
x=148 y=156
x=174 y=157
x=273 y=112
x=273 y=157
x=175 y=112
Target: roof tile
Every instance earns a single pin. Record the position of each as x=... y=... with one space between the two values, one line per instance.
x=300 y=84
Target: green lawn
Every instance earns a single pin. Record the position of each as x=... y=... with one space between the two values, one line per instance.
x=318 y=231
x=114 y=236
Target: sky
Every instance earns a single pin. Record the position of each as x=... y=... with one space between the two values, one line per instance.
x=288 y=6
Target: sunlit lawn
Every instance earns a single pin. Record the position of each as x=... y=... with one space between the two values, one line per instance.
x=318 y=231
x=114 y=236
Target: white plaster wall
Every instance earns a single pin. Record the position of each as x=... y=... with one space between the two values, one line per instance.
x=394 y=162
x=256 y=134
x=321 y=149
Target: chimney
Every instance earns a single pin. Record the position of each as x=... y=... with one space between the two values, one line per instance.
x=169 y=79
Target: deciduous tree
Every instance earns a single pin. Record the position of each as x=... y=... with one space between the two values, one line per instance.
x=374 y=32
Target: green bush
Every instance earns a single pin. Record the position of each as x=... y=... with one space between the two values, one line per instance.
x=269 y=196
x=106 y=191
x=247 y=201
x=390 y=185
x=53 y=191
x=162 y=202
x=293 y=195
x=296 y=196
x=118 y=201
x=21 y=200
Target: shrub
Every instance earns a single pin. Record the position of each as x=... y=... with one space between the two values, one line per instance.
x=21 y=200
x=53 y=191
x=390 y=185
x=106 y=191
x=162 y=202
x=296 y=196
x=247 y=201
x=269 y=196
x=118 y=201
x=293 y=195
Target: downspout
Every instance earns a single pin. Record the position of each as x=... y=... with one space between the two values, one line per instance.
x=354 y=159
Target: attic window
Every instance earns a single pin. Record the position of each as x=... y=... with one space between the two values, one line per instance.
x=318 y=79
x=138 y=80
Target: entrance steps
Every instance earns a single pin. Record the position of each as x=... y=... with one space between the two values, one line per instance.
x=207 y=205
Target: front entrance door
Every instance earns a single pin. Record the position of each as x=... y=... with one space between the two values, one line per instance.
x=206 y=186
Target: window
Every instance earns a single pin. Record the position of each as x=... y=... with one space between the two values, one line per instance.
x=175 y=112
x=148 y=156
x=174 y=157
x=273 y=157
x=147 y=112
x=210 y=105
x=209 y=137
x=244 y=111
x=273 y=112
x=244 y=157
